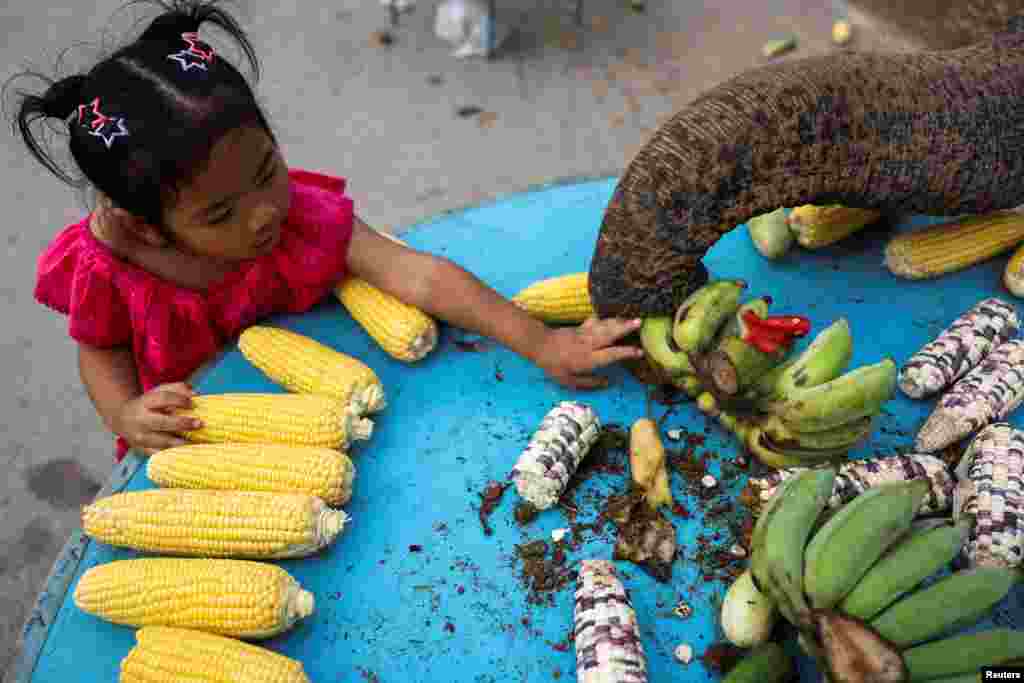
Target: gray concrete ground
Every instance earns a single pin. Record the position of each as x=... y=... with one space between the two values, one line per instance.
x=556 y=102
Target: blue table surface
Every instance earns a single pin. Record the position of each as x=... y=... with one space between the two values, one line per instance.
x=457 y=610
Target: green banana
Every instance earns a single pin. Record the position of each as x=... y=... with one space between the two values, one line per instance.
x=777 y=562
x=844 y=548
x=763 y=388
x=853 y=652
x=823 y=360
x=656 y=339
x=698 y=318
x=957 y=600
x=766 y=663
x=856 y=394
x=903 y=567
x=761 y=447
x=689 y=384
x=845 y=436
x=734 y=364
x=770 y=234
x=963 y=654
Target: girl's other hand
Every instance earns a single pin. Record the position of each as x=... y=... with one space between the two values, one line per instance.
x=148 y=422
x=569 y=355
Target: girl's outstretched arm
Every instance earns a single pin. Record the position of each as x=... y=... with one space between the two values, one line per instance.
x=445 y=290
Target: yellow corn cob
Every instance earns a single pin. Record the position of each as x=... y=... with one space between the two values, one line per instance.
x=304 y=365
x=239 y=598
x=172 y=655
x=403 y=331
x=243 y=524
x=820 y=226
x=948 y=247
x=289 y=419
x=1013 y=276
x=563 y=299
x=321 y=472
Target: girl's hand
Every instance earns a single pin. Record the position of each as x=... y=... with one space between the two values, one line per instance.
x=147 y=422
x=569 y=355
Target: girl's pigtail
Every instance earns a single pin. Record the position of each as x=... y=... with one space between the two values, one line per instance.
x=184 y=16
x=59 y=101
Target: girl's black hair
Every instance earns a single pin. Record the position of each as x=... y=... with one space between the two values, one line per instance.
x=174 y=116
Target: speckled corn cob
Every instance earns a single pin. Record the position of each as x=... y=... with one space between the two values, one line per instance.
x=606 y=633
x=555 y=450
x=858 y=476
x=987 y=394
x=989 y=488
x=959 y=348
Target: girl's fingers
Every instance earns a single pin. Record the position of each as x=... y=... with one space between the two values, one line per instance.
x=172 y=423
x=163 y=400
x=614 y=354
x=588 y=381
x=606 y=332
x=158 y=441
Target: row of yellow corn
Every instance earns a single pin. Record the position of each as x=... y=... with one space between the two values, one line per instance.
x=917 y=255
x=261 y=482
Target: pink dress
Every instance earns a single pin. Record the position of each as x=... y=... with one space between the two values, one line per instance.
x=172 y=329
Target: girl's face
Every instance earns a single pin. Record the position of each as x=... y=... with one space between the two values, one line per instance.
x=233 y=210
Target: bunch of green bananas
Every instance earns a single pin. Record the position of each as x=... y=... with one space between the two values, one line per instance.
x=862 y=584
x=794 y=411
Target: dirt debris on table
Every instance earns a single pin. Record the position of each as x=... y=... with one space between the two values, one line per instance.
x=543 y=576
x=489 y=500
x=720 y=658
x=644 y=537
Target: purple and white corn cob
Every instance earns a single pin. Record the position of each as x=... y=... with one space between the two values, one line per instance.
x=555 y=450
x=987 y=394
x=989 y=489
x=959 y=348
x=605 y=630
x=857 y=476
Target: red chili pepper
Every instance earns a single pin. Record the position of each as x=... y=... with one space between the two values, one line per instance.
x=774 y=332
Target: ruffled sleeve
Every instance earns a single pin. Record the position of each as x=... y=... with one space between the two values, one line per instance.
x=314 y=246
x=71 y=280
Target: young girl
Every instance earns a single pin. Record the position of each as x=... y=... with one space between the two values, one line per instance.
x=202 y=230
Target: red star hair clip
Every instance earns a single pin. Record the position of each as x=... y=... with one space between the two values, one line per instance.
x=198 y=54
x=103 y=126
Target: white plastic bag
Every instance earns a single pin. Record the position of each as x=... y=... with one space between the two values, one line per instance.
x=467 y=25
